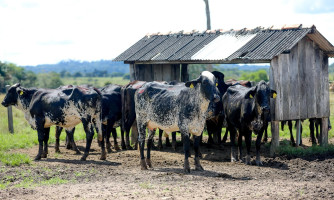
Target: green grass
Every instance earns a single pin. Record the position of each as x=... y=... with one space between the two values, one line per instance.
x=95 y=81
x=14 y=159
x=288 y=150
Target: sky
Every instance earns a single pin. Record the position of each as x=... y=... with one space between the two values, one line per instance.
x=36 y=32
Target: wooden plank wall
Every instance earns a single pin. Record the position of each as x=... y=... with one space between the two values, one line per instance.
x=157 y=72
x=300 y=79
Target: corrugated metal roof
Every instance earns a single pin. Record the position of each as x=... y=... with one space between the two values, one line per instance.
x=257 y=44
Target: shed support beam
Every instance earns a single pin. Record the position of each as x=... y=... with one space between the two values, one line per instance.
x=274 y=137
x=184 y=73
x=324 y=132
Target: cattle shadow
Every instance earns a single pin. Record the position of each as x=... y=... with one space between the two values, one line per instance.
x=79 y=162
x=223 y=155
x=205 y=173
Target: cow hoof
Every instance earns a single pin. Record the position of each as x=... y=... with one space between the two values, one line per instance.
x=199 y=167
x=160 y=147
x=84 y=157
x=57 y=151
x=259 y=163
x=44 y=155
x=38 y=157
x=143 y=164
x=103 y=155
x=116 y=147
x=148 y=163
x=186 y=166
x=248 y=160
x=109 y=150
x=77 y=152
x=234 y=160
x=129 y=147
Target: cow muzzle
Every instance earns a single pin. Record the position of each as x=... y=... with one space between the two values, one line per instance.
x=3 y=103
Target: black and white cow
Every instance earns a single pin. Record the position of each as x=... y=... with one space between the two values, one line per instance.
x=247 y=110
x=175 y=108
x=61 y=107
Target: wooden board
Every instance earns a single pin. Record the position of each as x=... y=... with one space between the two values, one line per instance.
x=157 y=71
x=293 y=89
x=302 y=79
x=166 y=72
x=284 y=65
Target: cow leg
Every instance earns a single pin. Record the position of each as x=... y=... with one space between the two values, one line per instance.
x=122 y=139
x=168 y=144
x=233 y=150
x=317 y=123
x=40 y=131
x=106 y=131
x=240 y=146
x=89 y=137
x=70 y=136
x=225 y=136
x=186 y=147
x=258 y=145
x=248 y=140
x=313 y=140
x=174 y=140
x=114 y=135
x=57 y=135
x=265 y=138
x=292 y=140
x=46 y=139
x=197 y=153
x=160 y=140
x=68 y=142
x=141 y=141
x=149 y=147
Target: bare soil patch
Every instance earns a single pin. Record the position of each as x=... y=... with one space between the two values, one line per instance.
x=120 y=176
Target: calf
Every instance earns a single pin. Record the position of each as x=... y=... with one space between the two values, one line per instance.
x=61 y=107
x=247 y=110
x=175 y=108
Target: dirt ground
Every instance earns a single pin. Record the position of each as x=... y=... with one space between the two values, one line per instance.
x=120 y=177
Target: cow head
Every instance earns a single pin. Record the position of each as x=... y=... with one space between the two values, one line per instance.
x=12 y=95
x=261 y=93
x=207 y=83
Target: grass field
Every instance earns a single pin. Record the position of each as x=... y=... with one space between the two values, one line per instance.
x=95 y=81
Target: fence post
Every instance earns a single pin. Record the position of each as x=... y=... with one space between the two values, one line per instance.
x=10 y=115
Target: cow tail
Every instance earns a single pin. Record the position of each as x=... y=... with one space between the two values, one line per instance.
x=123 y=95
x=98 y=120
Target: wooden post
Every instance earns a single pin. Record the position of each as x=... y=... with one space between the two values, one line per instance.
x=298 y=133
x=10 y=115
x=184 y=73
x=274 y=137
x=324 y=132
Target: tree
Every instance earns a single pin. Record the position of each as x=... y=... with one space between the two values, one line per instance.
x=207 y=11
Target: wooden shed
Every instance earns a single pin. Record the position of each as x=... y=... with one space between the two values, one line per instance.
x=298 y=58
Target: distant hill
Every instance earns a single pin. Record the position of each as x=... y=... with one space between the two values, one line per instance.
x=73 y=66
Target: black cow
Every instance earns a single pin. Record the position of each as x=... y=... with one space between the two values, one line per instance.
x=129 y=113
x=111 y=117
x=175 y=108
x=246 y=110
x=61 y=107
x=215 y=121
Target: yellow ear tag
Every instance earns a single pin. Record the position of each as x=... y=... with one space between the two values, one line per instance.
x=216 y=84
x=251 y=96
x=191 y=86
x=21 y=92
x=274 y=95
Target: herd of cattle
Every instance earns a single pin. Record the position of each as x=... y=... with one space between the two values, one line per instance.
x=146 y=106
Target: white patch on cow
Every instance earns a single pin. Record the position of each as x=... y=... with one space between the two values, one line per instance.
x=209 y=75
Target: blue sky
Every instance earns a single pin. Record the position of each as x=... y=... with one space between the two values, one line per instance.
x=47 y=31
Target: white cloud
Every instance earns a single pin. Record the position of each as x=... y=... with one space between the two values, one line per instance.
x=48 y=31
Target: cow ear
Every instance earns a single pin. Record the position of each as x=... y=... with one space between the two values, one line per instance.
x=251 y=93
x=273 y=94
x=20 y=91
x=192 y=83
